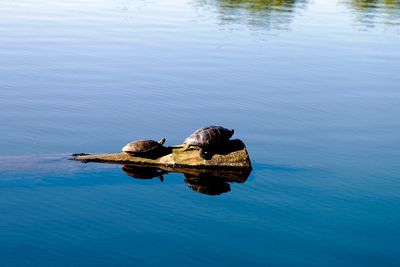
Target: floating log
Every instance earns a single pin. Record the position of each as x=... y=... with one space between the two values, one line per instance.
x=233 y=155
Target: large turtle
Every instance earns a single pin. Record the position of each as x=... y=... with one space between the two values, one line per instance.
x=144 y=148
x=208 y=137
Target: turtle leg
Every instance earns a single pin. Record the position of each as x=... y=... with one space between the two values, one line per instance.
x=186 y=147
x=205 y=154
x=202 y=153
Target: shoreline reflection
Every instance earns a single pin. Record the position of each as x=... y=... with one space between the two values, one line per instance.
x=279 y=14
x=267 y=14
x=372 y=12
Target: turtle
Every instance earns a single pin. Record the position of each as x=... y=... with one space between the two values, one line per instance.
x=144 y=148
x=208 y=137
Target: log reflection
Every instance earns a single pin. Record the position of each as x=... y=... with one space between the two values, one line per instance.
x=209 y=182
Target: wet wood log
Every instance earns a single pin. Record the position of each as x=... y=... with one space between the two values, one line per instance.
x=233 y=155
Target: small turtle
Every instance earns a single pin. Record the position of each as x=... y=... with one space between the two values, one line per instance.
x=208 y=137
x=144 y=148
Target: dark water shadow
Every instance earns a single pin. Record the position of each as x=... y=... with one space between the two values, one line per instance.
x=209 y=182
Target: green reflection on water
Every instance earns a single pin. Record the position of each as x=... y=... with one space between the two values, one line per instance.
x=260 y=13
x=373 y=12
x=278 y=14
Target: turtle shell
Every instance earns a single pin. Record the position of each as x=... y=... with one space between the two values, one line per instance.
x=142 y=146
x=209 y=135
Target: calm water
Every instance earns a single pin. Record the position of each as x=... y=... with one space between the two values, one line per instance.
x=312 y=87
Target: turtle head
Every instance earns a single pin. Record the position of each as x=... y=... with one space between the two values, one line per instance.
x=232 y=132
x=127 y=148
x=162 y=141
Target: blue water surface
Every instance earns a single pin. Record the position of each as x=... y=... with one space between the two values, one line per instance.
x=311 y=87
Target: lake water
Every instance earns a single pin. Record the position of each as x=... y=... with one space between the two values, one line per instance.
x=311 y=87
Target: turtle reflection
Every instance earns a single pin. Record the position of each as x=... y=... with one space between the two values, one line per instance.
x=143 y=172
x=209 y=182
x=214 y=182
